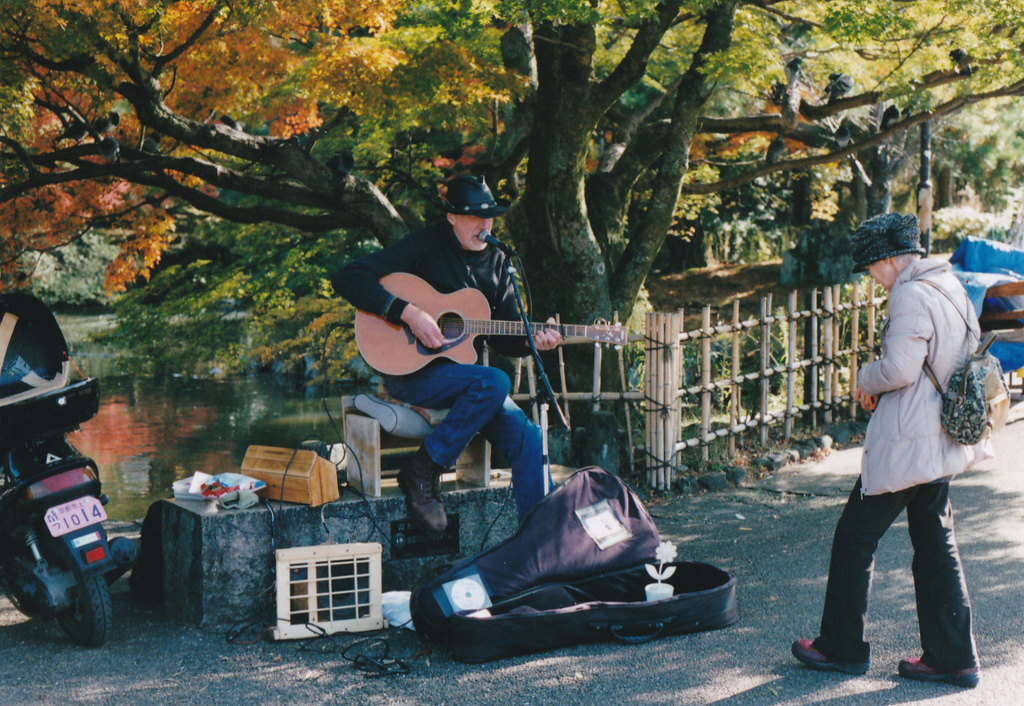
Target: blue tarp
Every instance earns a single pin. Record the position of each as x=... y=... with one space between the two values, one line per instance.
x=980 y=264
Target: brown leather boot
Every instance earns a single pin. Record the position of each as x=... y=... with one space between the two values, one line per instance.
x=420 y=480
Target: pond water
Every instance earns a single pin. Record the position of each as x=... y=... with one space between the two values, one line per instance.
x=151 y=432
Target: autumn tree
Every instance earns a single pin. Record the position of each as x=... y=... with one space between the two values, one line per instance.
x=341 y=116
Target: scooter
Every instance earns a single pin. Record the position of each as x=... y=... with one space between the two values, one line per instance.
x=55 y=558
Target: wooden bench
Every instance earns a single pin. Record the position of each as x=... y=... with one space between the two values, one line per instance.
x=369 y=443
x=1009 y=324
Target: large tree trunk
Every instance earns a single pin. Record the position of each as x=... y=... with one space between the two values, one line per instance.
x=564 y=260
x=573 y=254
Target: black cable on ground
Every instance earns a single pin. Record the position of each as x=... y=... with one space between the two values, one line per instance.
x=506 y=501
x=374 y=666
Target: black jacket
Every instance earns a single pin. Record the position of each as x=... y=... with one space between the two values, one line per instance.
x=435 y=255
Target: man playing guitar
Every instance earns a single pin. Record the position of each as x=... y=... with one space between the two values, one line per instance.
x=449 y=256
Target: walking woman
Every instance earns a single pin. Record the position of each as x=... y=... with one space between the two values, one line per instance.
x=907 y=463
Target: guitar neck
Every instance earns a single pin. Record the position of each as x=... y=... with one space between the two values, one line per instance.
x=486 y=327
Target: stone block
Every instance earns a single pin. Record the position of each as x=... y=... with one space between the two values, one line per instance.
x=841 y=434
x=218 y=565
x=560 y=446
x=736 y=475
x=805 y=451
x=713 y=482
x=686 y=485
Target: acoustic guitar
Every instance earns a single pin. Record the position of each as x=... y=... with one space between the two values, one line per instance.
x=461 y=316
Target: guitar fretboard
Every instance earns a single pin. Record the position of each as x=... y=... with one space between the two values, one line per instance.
x=486 y=327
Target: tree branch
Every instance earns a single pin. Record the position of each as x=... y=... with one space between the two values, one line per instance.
x=312 y=222
x=634 y=64
x=20 y=47
x=775 y=122
x=766 y=5
x=646 y=240
x=948 y=108
x=23 y=156
x=161 y=62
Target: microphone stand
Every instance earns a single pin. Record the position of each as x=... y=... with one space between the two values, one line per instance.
x=547 y=394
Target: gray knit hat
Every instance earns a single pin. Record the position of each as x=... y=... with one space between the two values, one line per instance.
x=885 y=236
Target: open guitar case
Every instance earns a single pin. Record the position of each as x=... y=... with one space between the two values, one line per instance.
x=573 y=572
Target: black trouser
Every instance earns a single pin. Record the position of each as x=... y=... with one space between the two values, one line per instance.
x=943 y=607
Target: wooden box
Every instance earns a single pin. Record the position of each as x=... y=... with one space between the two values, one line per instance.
x=308 y=479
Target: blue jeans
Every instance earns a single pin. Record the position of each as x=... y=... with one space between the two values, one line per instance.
x=478 y=399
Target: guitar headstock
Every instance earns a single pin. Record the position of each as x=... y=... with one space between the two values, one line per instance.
x=604 y=332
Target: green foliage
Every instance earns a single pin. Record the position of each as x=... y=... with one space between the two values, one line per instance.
x=984 y=147
x=745 y=226
x=236 y=297
x=560 y=11
x=15 y=102
x=953 y=224
x=452 y=17
x=161 y=331
x=850 y=21
x=754 y=45
x=73 y=274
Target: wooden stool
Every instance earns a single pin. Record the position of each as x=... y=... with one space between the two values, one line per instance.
x=374 y=428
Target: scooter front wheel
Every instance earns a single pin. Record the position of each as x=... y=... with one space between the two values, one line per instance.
x=89 y=619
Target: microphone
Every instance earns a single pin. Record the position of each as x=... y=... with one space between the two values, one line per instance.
x=486 y=236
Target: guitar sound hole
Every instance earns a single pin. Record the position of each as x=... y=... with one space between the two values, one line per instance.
x=452 y=326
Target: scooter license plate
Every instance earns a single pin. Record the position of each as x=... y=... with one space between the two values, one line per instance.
x=75 y=514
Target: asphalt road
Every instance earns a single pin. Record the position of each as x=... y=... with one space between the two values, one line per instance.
x=773 y=535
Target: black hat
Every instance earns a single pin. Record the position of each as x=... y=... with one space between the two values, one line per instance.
x=885 y=236
x=469 y=196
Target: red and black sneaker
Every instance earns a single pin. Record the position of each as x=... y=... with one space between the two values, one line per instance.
x=914 y=668
x=805 y=652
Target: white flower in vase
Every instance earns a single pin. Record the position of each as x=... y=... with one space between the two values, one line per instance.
x=665 y=552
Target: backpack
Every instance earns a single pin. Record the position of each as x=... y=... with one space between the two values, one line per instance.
x=976 y=403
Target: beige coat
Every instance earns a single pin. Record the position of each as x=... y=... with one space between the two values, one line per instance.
x=905 y=444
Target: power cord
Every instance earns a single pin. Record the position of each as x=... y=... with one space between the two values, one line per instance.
x=374 y=659
x=374 y=666
x=505 y=502
x=314 y=444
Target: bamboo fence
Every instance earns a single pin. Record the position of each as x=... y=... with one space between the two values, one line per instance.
x=680 y=384
x=834 y=345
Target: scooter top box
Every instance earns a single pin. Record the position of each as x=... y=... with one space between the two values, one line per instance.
x=55 y=411
x=35 y=399
x=33 y=351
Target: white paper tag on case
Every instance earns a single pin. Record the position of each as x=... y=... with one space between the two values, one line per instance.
x=600 y=522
